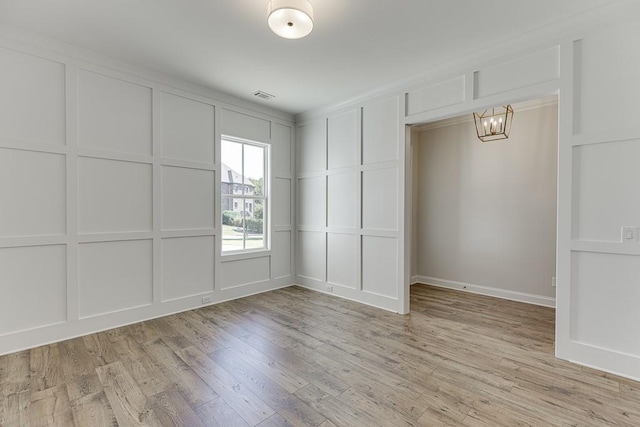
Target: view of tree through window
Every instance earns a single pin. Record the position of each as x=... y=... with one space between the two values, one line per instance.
x=244 y=195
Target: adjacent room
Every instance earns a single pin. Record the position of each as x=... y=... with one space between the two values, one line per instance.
x=484 y=213
x=319 y=213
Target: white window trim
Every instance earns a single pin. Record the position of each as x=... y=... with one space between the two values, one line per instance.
x=238 y=253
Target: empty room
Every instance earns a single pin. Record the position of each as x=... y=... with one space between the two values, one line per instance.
x=319 y=213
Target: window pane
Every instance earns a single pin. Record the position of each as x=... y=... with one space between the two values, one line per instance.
x=231 y=172
x=242 y=179
x=232 y=228
x=254 y=224
x=254 y=170
x=243 y=228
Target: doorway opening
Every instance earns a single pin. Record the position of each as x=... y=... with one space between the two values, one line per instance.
x=484 y=215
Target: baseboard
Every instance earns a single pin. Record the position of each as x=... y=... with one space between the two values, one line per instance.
x=486 y=290
x=355 y=295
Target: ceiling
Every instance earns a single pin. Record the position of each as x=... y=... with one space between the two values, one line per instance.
x=356 y=45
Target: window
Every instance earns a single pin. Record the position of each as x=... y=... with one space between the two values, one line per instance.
x=244 y=209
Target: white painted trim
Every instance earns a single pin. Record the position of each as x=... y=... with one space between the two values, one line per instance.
x=604 y=359
x=519 y=107
x=486 y=290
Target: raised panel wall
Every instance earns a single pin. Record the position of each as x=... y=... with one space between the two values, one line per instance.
x=110 y=192
x=438 y=95
x=187 y=129
x=607 y=86
x=114 y=196
x=342 y=202
x=380 y=199
x=348 y=193
x=312 y=147
x=311 y=255
x=605 y=296
x=342 y=140
x=245 y=126
x=188 y=265
x=114 y=276
x=342 y=259
x=380 y=265
x=37 y=276
x=524 y=71
x=312 y=201
x=281 y=258
x=245 y=272
x=602 y=202
x=380 y=131
x=598 y=294
x=32 y=185
x=33 y=89
x=187 y=198
x=114 y=115
x=281 y=202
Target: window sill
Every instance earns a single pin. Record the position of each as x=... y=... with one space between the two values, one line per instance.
x=236 y=256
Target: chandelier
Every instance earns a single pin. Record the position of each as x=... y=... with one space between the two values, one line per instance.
x=494 y=124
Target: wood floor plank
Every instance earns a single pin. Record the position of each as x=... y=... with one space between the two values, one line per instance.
x=93 y=410
x=218 y=414
x=172 y=410
x=14 y=409
x=78 y=369
x=45 y=369
x=289 y=406
x=193 y=388
x=100 y=348
x=51 y=407
x=296 y=357
x=204 y=342
x=14 y=373
x=311 y=371
x=289 y=380
x=148 y=375
x=276 y=420
x=246 y=404
x=129 y=404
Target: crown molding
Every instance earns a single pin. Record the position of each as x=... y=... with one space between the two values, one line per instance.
x=546 y=36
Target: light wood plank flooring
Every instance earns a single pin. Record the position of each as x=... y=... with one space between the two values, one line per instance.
x=296 y=357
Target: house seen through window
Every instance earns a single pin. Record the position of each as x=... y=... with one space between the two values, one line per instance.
x=244 y=195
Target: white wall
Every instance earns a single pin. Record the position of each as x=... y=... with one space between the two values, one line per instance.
x=348 y=190
x=600 y=277
x=593 y=61
x=110 y=202
x=486 y=212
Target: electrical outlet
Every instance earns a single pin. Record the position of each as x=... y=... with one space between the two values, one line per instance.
x=329 y=288
x=207 y=300
x=553 y=282
x=630 y=234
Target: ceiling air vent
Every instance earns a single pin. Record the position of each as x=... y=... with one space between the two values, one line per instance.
x=263 y=95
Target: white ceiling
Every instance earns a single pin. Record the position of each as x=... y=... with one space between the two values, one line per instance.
x=355 y=47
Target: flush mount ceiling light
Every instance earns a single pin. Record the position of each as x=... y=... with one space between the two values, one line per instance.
x=291 y=19
x=494 y=123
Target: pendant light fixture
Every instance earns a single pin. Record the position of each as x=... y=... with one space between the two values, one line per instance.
x=494 y=123
x=291 y=19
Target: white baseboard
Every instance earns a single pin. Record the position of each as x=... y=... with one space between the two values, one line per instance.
x=486 y=290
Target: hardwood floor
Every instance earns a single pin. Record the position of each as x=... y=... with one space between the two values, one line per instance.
x=296 y=357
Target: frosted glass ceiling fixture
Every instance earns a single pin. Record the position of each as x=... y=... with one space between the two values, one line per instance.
x=291 y=19
x=494 y=123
